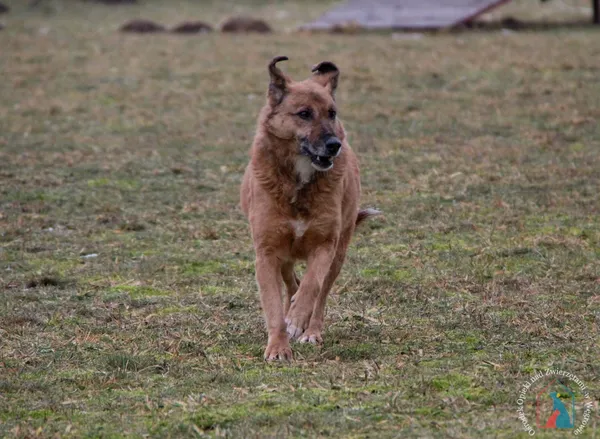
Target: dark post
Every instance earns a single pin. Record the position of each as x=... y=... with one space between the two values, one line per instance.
x=596 y=6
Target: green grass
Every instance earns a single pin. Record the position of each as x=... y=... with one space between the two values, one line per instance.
x=481 y=148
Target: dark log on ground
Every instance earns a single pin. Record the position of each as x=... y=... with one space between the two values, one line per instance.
x=245 y=24
x=116 y=2
x=192 y=27
x=142 y=27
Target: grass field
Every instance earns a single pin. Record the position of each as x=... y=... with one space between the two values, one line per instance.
x=128 y=305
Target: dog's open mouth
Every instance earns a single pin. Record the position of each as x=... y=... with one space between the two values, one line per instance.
x=319 y=162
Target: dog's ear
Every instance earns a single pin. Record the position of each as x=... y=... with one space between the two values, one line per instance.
x=326 y=73
x=279 y=82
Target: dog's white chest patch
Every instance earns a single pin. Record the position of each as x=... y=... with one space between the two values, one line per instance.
x=299 y=227
x=304 y=169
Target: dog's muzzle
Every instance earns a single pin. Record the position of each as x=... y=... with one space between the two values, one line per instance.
x=322 y=157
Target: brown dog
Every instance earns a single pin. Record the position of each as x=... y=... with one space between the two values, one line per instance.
x=300 y=193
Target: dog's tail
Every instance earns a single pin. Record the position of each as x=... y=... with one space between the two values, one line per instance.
x=363 y=214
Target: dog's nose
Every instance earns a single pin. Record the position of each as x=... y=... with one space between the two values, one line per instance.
x=333 y=146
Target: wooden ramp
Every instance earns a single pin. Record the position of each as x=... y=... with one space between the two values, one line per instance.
x=403 y=14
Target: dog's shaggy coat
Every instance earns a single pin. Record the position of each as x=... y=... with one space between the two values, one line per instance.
x=300 y=193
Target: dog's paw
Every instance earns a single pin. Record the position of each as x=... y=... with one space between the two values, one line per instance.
x=311 y=336
x=279 y=349
x=297 y=320
x=293 y=330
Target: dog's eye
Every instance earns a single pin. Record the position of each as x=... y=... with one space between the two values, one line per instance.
x=332 y=114
x=305 y=114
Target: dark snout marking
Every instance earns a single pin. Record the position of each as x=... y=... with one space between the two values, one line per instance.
x=333 y=145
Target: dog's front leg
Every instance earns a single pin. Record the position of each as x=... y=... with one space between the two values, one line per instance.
x=318 y=264
x=268 y=277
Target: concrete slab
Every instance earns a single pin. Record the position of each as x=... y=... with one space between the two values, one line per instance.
x=403 y=14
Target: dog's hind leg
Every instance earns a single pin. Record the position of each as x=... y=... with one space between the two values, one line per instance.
x=291 y=284
x=317 y=268
x=315 y=327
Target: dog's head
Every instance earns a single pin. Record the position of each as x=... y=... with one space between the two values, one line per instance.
x=306 y=111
